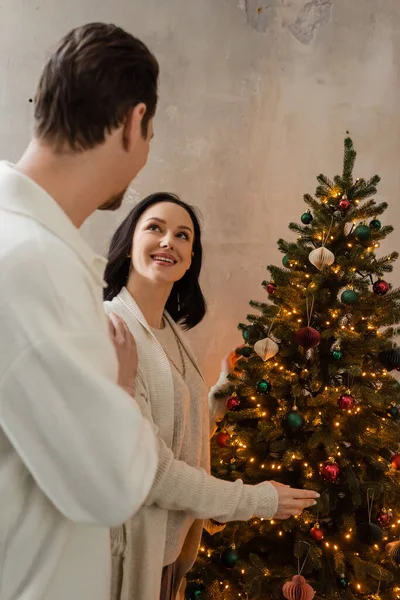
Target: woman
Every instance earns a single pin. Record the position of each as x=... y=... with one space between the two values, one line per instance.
x=152 y=281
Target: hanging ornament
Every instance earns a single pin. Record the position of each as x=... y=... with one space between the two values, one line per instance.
x=286 y=261
x=343 y=581
x=307 y=218
x=194 y=591
x=246 y=351
x=348 y=228
x=369 y=533
x=266 y=348
x=393 y=410
x=393 y=550
x=390 y=359
x=384 y=517
x=337 y=354
x=298 y=589
x=380 y=287
x=330 y=470
x=344 y=205
x=362 y=233
x=222 y=438
x=294 y=419
x=321 y=257
x=346 y=401
x=232 y=465
x=229 y=557
x=246 y=333
x=263 y=387
x=308 y=337
x=375 y=224
x=317 y=533
x=395 y=462
x=349 y=297
x=233 y=402
x=269 y=287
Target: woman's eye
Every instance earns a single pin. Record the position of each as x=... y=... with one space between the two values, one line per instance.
x=183 y=235
x=153 y=227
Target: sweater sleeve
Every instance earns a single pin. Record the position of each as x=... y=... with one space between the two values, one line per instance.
x=81 y=437
x=179 y=486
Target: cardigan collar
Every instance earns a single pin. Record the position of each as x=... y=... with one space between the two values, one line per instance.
x=132 y=306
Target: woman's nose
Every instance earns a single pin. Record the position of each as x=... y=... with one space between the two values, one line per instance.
x=166 y=242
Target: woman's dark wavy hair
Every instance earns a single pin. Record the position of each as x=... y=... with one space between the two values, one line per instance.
x=186 y=303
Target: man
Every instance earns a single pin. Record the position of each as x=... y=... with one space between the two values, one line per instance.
x=76 y=455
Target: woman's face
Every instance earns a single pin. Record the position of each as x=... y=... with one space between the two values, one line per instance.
x=162 y=243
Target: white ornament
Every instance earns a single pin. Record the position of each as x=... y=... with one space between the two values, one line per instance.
x=348 y=227
x=321 y=257
x=266 y=348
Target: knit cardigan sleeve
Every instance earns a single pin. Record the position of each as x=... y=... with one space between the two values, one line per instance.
x=179 y=486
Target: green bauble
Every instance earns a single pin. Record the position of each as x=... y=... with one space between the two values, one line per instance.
x=263 y=387
x=232 y=466
x=246 y=351
x=362 y=232
x=246 y=334
x=392 y=410
x=375 y=224
x=229 y=558
x=349 y=297
x=343 y=582
x=337 y=355
x=295 y=420
x=306 y=218
x=286 y=261
x=194 y=591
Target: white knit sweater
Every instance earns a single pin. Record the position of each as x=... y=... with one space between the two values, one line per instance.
x=138 y=546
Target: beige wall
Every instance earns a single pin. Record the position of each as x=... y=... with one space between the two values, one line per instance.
x=254 y=104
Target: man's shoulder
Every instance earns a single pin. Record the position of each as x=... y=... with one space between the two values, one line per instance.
x=41 y=275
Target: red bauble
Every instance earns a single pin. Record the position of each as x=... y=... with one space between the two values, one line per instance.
x=271 y=287
x=344 y=204
x=330 y=471
x=298 y=589
x=380 y=287
x=396 y=462
x=346 y=401
x=308 y=337
x=384 y=517
x=222 y=438
x=317 y=533
x=232 y=402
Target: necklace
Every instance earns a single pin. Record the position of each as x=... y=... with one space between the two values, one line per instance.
x=181 y=353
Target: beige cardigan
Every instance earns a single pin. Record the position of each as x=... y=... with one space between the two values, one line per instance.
x=138 y=546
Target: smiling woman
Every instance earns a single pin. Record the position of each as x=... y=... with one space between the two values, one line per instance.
x=153 y=285
x=165 y=228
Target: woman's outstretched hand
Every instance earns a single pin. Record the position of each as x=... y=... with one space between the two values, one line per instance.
x=292 y=502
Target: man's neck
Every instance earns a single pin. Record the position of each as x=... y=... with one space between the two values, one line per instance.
x=72 y=180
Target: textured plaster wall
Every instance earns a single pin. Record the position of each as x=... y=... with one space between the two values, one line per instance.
x=255 y=99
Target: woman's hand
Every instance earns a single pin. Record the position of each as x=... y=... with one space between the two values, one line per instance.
x=292 y=502
x=229 y=361
x=125 y=347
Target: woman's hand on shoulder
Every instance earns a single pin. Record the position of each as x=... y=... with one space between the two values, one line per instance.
x=125 y=347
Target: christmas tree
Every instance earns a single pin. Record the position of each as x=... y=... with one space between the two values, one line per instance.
x=314 y=405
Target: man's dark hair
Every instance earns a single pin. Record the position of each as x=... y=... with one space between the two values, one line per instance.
x=97 y=74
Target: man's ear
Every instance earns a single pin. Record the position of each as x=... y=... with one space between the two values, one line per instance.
x=133 y=126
